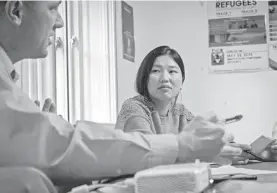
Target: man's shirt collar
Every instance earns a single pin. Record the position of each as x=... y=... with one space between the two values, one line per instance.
x=8 y=65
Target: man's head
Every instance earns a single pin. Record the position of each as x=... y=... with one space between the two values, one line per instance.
x=26 y=27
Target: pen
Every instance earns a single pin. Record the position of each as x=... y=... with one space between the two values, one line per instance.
x=232 y=119
x=219 y=178
x=251 y=153
x=247 y=177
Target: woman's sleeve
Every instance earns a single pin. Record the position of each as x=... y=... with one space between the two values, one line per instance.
x=185 y=116
x=134 y=117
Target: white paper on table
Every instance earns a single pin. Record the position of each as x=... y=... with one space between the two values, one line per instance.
x=233 y=170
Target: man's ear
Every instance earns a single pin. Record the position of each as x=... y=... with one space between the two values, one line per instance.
x=14 y=11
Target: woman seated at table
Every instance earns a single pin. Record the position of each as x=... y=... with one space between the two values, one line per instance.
x=159 y=82
x=155 y=111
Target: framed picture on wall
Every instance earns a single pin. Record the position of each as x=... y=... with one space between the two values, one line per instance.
x=128 y=32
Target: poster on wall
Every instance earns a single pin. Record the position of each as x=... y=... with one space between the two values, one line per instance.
x=238 y=35
x=272 y=12
x=128 y=42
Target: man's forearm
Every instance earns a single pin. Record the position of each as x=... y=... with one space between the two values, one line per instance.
x=48 y=142
x=97 y=152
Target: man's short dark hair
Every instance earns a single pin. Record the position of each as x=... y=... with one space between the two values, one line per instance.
x=3 y=3
x=147 y=64
x=2 y=6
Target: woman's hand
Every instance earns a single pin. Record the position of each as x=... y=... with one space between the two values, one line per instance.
x=233 y=153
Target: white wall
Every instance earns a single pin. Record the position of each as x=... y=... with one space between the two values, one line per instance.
x=183 y=26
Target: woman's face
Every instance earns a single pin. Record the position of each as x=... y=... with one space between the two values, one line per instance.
x=165 y=79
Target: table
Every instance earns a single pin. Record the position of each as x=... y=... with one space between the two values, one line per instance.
x=266 y=183
x=260 y=166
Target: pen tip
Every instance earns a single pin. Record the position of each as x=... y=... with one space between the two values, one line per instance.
x=239 y=117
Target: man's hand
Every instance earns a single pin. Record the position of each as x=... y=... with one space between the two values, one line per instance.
x=48 y=106
x=203 y=138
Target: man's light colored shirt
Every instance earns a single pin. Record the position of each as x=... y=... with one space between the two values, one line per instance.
x=30 y=137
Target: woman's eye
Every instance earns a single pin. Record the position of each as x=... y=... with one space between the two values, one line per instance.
x=155 y=70
x=173 y=71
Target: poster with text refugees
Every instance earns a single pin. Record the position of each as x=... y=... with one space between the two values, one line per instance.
x=128 y=32
x=238 y=35
x=272 y=12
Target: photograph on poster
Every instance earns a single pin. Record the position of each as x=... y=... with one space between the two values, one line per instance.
x=237 y=31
